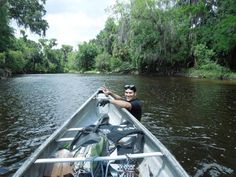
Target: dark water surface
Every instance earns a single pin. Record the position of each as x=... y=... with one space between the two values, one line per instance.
x=194 y=119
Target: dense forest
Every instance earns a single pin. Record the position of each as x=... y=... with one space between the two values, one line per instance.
x=142 y=36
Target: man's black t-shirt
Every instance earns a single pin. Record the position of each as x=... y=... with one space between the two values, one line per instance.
x=136 y=109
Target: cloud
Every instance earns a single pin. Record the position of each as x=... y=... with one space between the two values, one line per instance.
x=74 y=21
x=72 y=28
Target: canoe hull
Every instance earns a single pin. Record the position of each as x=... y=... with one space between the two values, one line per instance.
x=88 y=114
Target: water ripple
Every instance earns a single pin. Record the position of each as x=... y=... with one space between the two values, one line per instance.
x=213 y=169
x=194 y=119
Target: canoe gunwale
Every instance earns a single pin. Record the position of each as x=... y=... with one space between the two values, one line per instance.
x=33 y=157
x=165 y=152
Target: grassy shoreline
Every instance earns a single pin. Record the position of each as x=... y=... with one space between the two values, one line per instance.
x=193 y=73
x=210 y=74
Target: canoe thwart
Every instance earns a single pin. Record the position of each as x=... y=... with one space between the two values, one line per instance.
x=102 y=158
x=75 y=129
x=65 y=139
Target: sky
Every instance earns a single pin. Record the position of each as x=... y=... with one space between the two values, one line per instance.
x=72 y=22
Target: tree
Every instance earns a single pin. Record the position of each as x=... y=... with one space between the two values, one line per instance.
x=106 y=37
x=6 y=33
x=70 y=64
x=86 y=56
x=31 y=52
x=103 y=62
x=2 y=2
x=66 y=49
x=52 y=58
x=28 y=14
x=15 y=61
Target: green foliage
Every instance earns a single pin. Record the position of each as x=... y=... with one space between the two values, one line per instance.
x=29 y=14
x=15 y=61
x=212 y=66
x=2 y=59
x=21 y=55
x=55 y=60
x=38 y=57
x=106 y=37
x=70 y=64
x=66 y=49
x=121 y=52
x=145 y=34
x=86 y=56
x=116 y=64
x=154 y=36
x=148 y=36
x=126 y=67
x=5 y=31
x=207 y=68
x=31 y=52
x=41 y=67
x=224 y=36
x=103 y=62
x=212 y=71
x=203 y=55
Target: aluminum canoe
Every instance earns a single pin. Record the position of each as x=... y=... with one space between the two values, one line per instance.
x=156 y=161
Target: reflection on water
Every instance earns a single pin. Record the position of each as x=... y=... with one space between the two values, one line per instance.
x=194 y=119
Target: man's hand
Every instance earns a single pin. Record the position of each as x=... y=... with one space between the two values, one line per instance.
x=106 y=91
x=103 y=102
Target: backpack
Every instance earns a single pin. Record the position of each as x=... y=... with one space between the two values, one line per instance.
x=90 y=142
x=103 y=139
x=124 y=139
x=95 y=149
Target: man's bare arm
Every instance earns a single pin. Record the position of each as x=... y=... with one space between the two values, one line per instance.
x=122 y=103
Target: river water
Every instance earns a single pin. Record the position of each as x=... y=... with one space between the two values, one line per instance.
x=195 y=119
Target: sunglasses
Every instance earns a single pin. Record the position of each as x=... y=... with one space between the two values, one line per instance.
x=131 y=87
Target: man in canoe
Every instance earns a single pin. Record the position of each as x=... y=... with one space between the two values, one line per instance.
x=130 y=102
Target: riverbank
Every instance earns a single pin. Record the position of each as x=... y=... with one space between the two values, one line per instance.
x=5 y=73
x=194 y=73
x=210 y=74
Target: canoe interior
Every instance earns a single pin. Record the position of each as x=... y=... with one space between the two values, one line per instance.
x=88 y=114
